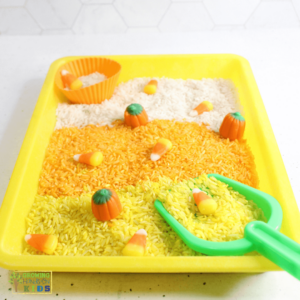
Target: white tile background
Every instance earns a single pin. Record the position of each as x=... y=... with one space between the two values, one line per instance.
x=51 y=17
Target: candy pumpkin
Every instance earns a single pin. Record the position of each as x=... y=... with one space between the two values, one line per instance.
x=135 y=115
x=106 y=205
x=233 y=126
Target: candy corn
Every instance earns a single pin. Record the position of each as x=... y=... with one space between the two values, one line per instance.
x=151 y=87
x=136 y=245
x=70 y=81
x=93 y=158
x=205 y=203
x=162 y=146
x=204 y=106
x=43 y=242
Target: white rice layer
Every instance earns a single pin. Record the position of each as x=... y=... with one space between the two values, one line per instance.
x=174 y=99
x=92 y=79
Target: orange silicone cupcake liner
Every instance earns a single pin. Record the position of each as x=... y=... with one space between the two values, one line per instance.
x=95 y=93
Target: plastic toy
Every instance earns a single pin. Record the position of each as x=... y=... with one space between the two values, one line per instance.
x=264 y=238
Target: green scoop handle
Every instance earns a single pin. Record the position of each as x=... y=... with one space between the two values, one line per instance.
x=259 y=236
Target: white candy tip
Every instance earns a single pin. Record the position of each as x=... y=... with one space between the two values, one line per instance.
x=195 y=191
x=154 y=157
x=76 y=157
x=64 y=72
x=193 y=113
x=27 y=237
x=142 y=232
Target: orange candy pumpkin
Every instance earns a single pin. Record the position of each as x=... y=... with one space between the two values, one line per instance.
x=135 y=115
x=106 y=205
x=233 y=126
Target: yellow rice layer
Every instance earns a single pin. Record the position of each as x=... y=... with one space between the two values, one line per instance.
x=80 y=233
x=234 y=212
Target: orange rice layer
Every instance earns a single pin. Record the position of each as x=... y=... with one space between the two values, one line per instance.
x=196 y=150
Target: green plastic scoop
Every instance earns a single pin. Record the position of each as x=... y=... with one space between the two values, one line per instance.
x=264 y=238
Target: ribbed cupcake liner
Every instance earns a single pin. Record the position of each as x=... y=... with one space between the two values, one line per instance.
x=95 y=93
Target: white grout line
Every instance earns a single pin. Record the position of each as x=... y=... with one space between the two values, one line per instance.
x=164 y=14
x=211 y=18
x=82 y=4
x=254 y=10
x=298 y=15
x=75 y=19
x=34 y=20
x=120 y=15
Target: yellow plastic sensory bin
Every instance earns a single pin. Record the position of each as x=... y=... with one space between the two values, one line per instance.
x=23 y=185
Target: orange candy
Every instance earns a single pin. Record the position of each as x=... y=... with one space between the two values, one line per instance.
x=42 y=242
x=151 y=87
x=137 y=244
x=205 y=203
x=70 y=81
x=161 y=147
x=204 y=106
x=93 y=158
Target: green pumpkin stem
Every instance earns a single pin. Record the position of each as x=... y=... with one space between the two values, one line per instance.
x=238 y=116
x=102 y=196
x=134 y=109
